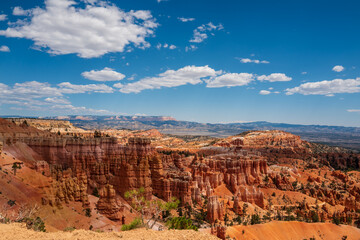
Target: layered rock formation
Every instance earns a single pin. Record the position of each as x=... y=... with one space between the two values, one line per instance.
x=108 y=205
x=215 y=209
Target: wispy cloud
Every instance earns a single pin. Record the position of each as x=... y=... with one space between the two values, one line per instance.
x=44 y=97
x=248 y=60
x=3 y=17
x=183 y=19
x=165 y=45
x=201 y=32
x=354 y=110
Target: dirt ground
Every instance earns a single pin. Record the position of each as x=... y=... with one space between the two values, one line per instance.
x=277 y=230
x=19 y=232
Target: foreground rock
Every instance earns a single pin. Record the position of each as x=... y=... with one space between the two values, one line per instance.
x=18 y=232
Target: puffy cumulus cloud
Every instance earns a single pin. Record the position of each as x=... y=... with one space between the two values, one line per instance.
x=183 y=19
x=274 y=77
x=170 y=78
x=3 y=17
x=40 y=96
x=338 y=68
x=99 y=28
x=201 y=32
x=264 y=92
x=4 y=49
x=248 y=60
x=70 y=88
x=19 y=11
x=107 y=74
x=230 y=80
x=190 y=75
x=327 y=88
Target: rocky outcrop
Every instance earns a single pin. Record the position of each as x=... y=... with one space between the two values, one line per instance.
x=215 y=209
x=252 y=195
x=261 y=139
x=68 y=188
x=108 y=205
x=236 y=207
x=43 y=168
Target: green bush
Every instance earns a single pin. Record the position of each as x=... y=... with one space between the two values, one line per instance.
x=36 y=224
x=134 y=224
x=87 y=212
x=69 y=229
x=255 y=219
x=181 y=223
x=336 y=220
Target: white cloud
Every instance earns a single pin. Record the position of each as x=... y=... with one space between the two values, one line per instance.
x=274 y=77
x=19 y=11
x=107 y=74
x=97 y=29
x=230 y=80
x=4 y=49
x=67 y=87
x=327 y=88
x=190 y=48
x=3 y=17
x=183 y=19
x=248 y=60
x=304 y=73
x=79 y=110
x=338 y=68
x=118 y=85
x=57 y=100
x=354 y=110
x=39 y=96
x=132 y=77
x=201 y=32
x=165 y=45
x=264 y=92
x=170 y=78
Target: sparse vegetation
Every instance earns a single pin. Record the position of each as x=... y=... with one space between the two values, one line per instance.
x=134 y=224
x=181 y=223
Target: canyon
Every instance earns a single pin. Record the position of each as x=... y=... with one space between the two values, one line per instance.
x=271 y=174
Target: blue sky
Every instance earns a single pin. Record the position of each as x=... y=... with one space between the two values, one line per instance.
x=206 y=61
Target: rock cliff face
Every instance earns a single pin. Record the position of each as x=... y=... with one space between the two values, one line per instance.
x=260 y=139
x=108 y=204
x=215 y=209
x=69 y=188
x=103 y=161
x=100 y=160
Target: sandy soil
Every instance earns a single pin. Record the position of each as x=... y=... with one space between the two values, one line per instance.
x=294 y=230
x=19 y=232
